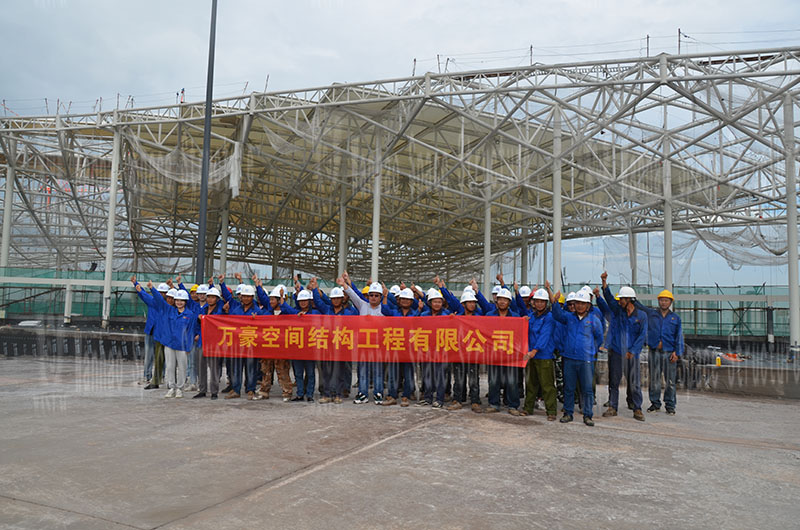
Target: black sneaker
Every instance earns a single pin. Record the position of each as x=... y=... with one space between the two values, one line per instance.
x=297 y=398
x=630 y=405
x=670 y=412
x=377 y=398
x=653 y=408
x=423 y=403
x=151 y=386
x=588 y=421
x=438 y=405
x=199 y=395
x=360 y=398
x=213 y=396
x=566 y=418
x=226 y=389
x=606 y=404
x=309 y=399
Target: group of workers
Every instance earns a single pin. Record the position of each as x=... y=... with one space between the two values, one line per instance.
x=565 y=335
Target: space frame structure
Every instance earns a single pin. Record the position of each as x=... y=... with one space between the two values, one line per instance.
x=409 y=177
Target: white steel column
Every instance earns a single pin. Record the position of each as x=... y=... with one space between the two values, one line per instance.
x=68 y=303
x=544 y=254
x=633 y=255
x=223 y=241
x=8 y=206
x=112 y=221
x=667 y=172
x=376 y=215
x=487 y=246
x=523 y=257
x=343 y=229
x=791 y=226
x=556 y=198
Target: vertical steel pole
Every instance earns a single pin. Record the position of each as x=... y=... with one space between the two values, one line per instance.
x=487 y=244
x=791 y=226
x=223 y=241
x=112 y=222
x=8 y=207
x=201 y=239
x=342 y=229
x=556 y=198
x=667 y=173
x=376 y=214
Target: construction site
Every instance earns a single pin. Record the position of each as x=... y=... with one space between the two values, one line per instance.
x=461 y=175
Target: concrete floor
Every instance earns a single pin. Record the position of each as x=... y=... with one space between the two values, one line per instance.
x=83 y=446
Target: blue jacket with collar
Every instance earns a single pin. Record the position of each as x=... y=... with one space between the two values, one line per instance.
x=666 y=329
x=540 y=334
x=629 y=331
x=583 y=335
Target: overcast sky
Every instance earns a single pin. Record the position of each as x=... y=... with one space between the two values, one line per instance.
x=77 y=51
x=82 y=50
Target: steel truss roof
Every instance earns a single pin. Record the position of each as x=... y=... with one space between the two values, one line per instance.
x=445 y=145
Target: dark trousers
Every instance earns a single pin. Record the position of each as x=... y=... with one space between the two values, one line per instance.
x=434 y=379
x=578 y=373
x=304 y=377
x=504 y=377
x=331 y=379
x=208 y=380
x=463 y=374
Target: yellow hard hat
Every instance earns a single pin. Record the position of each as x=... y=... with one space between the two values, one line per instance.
x=365 y=290
x=561 y=299
x=194 y=288
x=666 y=294
x=616 y=296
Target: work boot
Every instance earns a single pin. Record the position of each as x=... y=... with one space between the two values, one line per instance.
x=610 y=411
x=653 y=408
x=404 y=401
x=232 y=395
x=514 y=412
x=566 y=418
x=551 y=417
x=476 y=408
x=588 y=421
x=670 y=412
x=454 y=405
x=637 y=415
x=389 y=401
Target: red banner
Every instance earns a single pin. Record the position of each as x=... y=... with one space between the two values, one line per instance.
x=445 y=339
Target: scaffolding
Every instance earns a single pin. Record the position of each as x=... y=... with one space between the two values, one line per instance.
x=409 y=177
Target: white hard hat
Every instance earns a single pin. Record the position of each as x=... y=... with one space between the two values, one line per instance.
x=469 y=288
x=496 y=289
x=505 y=293
x=202 y=289
x=172 y=292
x=375 y=287
x=468 y=296
x=394 y=289
x=247 y=290
x=280 y=287
x=541 y=294
x=337 y=292
x=627 y=292
x=433 y=294
x=305 y=294
x=162 y=288
x=587 y=289
x=583 y=296
x=524 y=291
x=239 y=288
x=406 y=293
x=181 y=295
x=570 y=297
x=277 y=292
x=213 y=292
